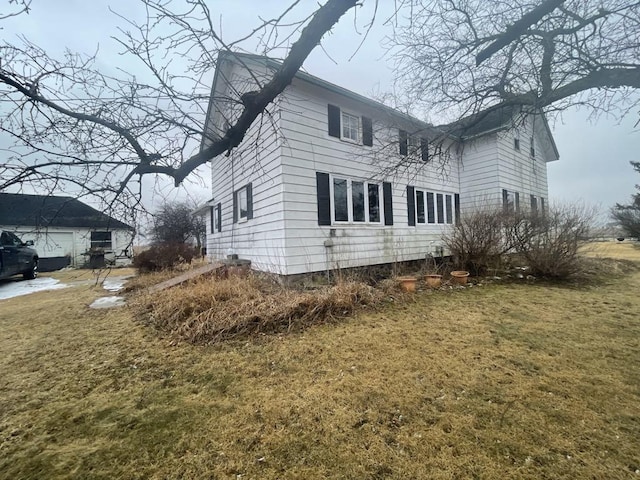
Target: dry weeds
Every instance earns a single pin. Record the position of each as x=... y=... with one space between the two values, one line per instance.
x=501 y=381
x=210 y=310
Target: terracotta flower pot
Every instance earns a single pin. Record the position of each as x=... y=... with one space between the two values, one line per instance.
x=433 y=280
x=459 y=277
x=408 y=284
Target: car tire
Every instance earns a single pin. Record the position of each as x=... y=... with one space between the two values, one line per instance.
x=33 y=272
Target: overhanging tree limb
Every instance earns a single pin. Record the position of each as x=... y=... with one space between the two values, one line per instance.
x=518 y=28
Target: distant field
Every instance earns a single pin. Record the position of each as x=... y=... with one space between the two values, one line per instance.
x=517 y=381
x=621 y=250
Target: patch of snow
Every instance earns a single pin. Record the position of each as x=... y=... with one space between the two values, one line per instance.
x=115 y=284
x=15 y=288
x=108 y=302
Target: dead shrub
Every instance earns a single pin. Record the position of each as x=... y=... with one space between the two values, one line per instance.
x=549 y=241
x=478 y=241
x=214 y=310
x=163 y=256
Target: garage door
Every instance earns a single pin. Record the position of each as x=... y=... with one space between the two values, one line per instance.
x=50 y=244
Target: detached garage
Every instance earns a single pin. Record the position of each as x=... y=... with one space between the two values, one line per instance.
x=65 y=231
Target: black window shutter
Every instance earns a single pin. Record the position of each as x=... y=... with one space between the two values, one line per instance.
x=213 y=227
x=324 y=198
x=411 y=206
x=402 y=141
x=219 y=208
x=456 y=206
x=249 y=201
x=367 y=132
x=235 y=207
x=424 y=149
x=542 y=205
x=388 y=203
x=534 y=204
x=517 y=201
x=334 y=120
x=505 y=198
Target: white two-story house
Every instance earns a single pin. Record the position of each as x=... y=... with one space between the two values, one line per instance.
x=330 y=179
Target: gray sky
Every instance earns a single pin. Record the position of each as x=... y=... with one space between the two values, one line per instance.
x=594 y=164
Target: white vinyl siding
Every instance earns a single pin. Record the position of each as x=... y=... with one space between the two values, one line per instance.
x=307 y=150
x=282 y=156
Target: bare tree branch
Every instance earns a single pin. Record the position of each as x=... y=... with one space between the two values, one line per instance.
x=518 y=28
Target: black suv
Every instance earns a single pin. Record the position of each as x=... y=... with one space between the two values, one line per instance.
x=16 y=257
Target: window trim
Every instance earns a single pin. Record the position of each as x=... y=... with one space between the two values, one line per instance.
x=431 y=197
x=92 y=242
x=367 y=211
x=216 y=218
x=358 y=140
x=248 y=191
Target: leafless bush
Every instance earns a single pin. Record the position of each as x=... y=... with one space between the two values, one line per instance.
x=478 y=241
x=549 y=241
x=163 y=256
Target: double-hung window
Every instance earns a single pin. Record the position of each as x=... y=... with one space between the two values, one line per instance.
x=216 y=218
x=350 y=127
x=243 y=204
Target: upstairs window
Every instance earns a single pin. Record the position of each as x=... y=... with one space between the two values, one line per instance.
x=532 y=149
x=349 y=127
x=413 y=146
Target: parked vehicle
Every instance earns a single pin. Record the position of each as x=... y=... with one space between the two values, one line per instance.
x=17 y=257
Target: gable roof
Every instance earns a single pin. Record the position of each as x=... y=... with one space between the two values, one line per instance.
x=490 y=120
x=274 y=64
x=17 y=209
x=493 y=119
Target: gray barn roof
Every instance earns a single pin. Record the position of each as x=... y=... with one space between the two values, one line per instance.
x=43 y=211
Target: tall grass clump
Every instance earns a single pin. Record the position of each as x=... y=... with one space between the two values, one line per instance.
x=213 y=310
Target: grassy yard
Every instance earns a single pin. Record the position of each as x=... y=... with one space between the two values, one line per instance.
x=496 y=381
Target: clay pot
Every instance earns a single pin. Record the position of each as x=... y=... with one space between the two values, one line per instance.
x=408 y=284
x=433 y=280
x=459 y=277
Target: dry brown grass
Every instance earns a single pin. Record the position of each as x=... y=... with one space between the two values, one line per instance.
x=623 y=251
x=210 y=310
x=501 y=381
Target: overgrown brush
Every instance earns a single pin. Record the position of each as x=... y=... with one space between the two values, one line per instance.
x=548 y=241
x=164 y=256
x=213 y=310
